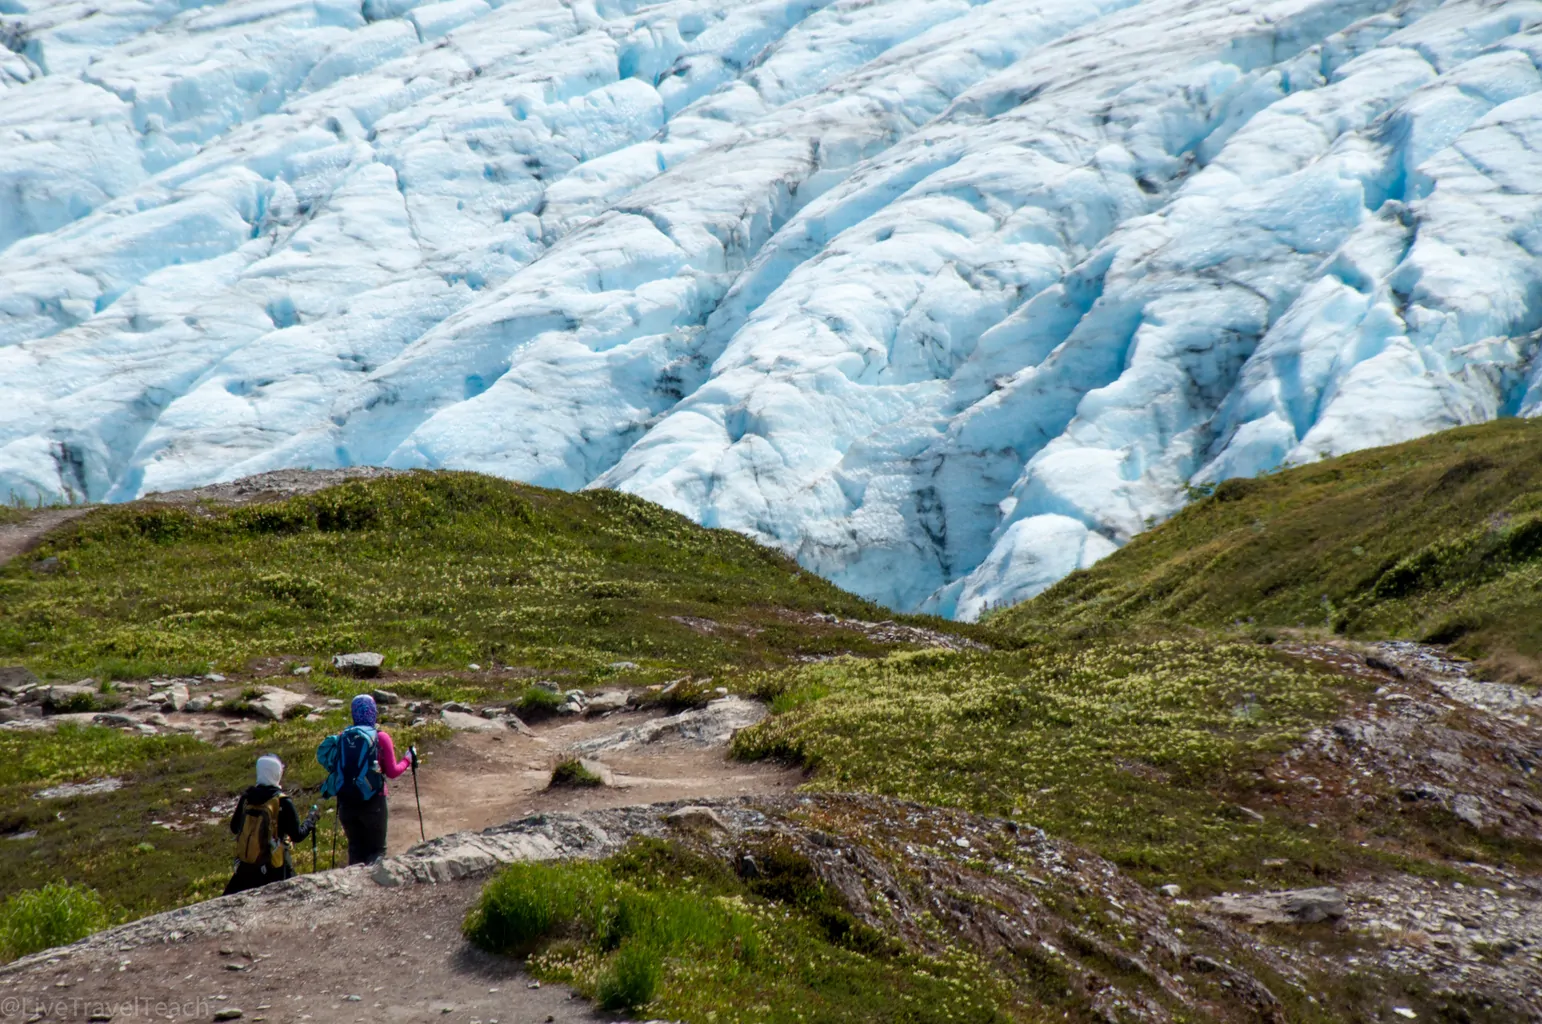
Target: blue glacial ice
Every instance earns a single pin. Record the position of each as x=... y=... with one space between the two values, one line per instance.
x=947 y=298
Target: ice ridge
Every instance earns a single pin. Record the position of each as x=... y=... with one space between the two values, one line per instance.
x=947 y=298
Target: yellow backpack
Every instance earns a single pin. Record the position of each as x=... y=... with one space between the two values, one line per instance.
x=258 y=842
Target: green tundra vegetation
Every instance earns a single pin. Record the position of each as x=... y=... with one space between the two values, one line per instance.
x=430 y=569
x=1438 y=539
x=661 y=926
x=434 y=570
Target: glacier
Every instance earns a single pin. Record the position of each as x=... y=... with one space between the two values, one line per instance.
x=945 y=298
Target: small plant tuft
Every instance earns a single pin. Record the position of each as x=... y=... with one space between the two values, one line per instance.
x=54 y=915
x=632 y=978
x=573 y=773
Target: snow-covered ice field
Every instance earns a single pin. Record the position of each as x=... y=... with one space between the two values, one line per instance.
x=945 y=297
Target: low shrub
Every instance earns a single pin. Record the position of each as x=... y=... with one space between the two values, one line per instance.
x=632 y=979
x=573 y=773
x=54 y=915
x=663 y=926
x=538 y=702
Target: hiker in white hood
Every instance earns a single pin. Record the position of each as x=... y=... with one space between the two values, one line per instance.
x=266 y=826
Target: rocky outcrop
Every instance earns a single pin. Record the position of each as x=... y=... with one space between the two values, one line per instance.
x=1292 y=906
x=277 y=703
x=713 y=725
x=360 y=665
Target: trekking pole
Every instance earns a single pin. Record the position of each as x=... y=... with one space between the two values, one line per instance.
x=334 y=844
x=422 y=834
x=314 y=809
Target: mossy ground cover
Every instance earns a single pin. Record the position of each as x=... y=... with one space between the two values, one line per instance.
x=430 y=569
x=1146 y=751
x=663 y=931
x=1438 y=539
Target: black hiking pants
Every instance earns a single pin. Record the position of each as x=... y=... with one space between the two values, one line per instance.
x=364 y=823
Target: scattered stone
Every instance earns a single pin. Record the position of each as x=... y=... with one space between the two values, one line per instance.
x=1468 y=808
x=228 y=1013
x=623 y=666
x=696 y=817
x=175 y=697
x=29 y=834
x=14 y=679
x=491 y=711
x=69 y=789
x=465 y=721
x=276 y=703
x=1291 y=906
x=302 y=670
x=385 y=698
x=114 y=721
x=360 y=665
x=610 y=700
x=64 y=695
x=456 y=705
x=1171 y=891
x=198 y=704
x=214 y=677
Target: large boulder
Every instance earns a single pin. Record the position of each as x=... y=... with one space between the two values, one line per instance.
x=276 y=703
x=610 y=700
x=464 y=721
x=69 y=696
x=174 y=697
x=14 y=679
x=1290 y=906
x=360 y=665
x=385 y=697
x=694 y=817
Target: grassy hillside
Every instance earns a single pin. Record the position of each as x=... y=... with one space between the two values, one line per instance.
x=1438 y=539
x=430 y=569
x=434 y=570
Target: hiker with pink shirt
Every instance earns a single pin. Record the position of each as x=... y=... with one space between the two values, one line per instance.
x=359 y=760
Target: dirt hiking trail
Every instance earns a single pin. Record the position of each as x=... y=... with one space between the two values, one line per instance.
x=480 y=779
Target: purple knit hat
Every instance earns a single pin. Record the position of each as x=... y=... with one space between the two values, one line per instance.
x=364 y=711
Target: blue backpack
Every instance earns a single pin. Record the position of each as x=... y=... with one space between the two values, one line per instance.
x=349 y=758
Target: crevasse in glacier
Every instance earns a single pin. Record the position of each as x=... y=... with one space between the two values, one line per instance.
x=947 y=298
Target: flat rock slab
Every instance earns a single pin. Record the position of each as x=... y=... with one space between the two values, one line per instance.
x=697 y=817
x=1292 y=906
x=610 y=700
x=711 y=726
x=69 y=789
x=276 y=702
x=465 y=721
x=360 y=665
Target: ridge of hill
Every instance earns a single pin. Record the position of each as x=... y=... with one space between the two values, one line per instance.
x=428 y=568
x=1437 y=540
